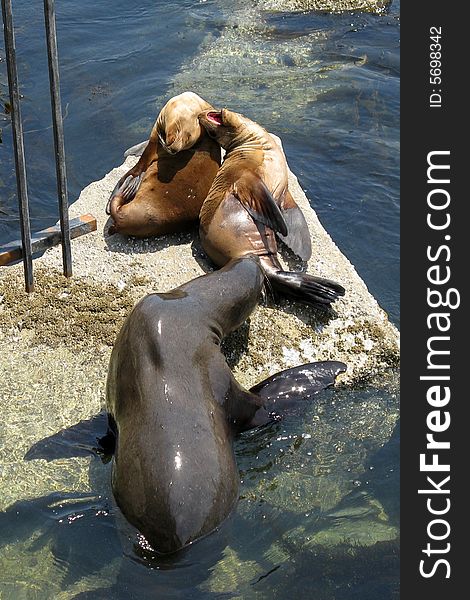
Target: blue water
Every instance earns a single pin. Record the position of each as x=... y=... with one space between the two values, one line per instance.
x=329 y=86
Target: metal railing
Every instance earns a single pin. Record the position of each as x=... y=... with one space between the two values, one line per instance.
x=18 y=144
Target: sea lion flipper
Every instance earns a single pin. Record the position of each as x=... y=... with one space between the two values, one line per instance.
x=90 y=436
x=299 y=383
x=129 y=183
x=298 y=237
x=136 y=150
x=285 y=389
x=255 y=197
x=316 y=291
x=125 y=190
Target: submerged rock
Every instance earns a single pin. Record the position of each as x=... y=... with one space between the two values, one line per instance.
x=260 y=58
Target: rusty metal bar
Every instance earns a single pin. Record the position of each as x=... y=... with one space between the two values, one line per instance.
x=46 y=238
x=18 y=146
x=57 y=123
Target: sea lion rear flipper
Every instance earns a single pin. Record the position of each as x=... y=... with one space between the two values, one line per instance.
x=299 y=383
x=313 y=290
x=257 y=200
x=298 y=237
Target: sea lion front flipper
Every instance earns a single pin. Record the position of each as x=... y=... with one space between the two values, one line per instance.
x=257 y=200
x=298 y=237
x=299 y=383
x=125 y=191
x=91 y=436
x=276 y=394
x=129 y=183
x=136 y=150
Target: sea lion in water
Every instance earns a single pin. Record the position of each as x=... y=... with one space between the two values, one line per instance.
x=249 y=202
x=164 y=191
x=175 y=406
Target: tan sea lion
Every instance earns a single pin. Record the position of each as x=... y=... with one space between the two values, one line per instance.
x=175 y=407
x=164 y=191
x=249 y=203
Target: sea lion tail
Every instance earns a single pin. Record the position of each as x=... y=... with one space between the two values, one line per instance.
x=306 y=288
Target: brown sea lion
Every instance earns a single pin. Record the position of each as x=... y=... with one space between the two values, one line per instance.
x=249 y=202
x=164 y=191
x=175 y=406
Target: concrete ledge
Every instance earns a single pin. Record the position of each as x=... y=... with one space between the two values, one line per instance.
x=277 y=337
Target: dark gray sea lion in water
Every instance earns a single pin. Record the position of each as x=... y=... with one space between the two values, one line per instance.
x=164 y=191
x=249 y=202
x=175 y=406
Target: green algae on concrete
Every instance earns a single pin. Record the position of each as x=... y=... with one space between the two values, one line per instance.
x=29 y=571
x=73 y=312
x=331 y=6
x=317 y=562
x=45 y=389
x=231 y=572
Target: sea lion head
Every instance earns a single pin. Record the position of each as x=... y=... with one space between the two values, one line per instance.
x=178 y=127
x=225 y=126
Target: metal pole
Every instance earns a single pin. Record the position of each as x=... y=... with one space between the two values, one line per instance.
x=51 y=38
x=18 y=146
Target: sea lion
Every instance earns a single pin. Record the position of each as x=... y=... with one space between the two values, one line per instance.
x=164 y=191
x=174 y=405
x=249 y=202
